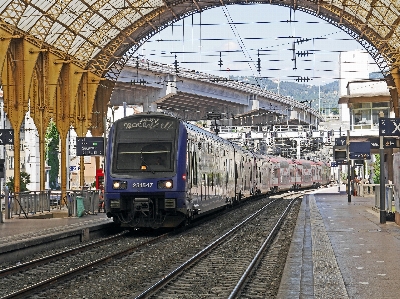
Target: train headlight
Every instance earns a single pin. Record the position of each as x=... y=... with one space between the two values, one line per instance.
x=165 y=184
x=119 y=185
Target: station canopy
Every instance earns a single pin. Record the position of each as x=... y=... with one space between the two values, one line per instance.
x=89 y=29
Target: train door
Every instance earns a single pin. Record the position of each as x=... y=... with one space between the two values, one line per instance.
x=314 y=173
x=299 y=175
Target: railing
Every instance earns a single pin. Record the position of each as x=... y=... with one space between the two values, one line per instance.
x=366 y=190
x=36 y=202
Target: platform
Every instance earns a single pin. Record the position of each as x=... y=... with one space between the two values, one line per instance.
x=28 y=234
x=340 y=250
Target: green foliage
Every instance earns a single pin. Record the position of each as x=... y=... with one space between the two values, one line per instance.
x=52 y=141
x=25 y=179
x=377 y=169
x=344 y=176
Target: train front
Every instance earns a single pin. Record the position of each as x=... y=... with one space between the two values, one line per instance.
x=145 y=177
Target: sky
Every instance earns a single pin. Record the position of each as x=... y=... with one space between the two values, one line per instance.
x=231 y=39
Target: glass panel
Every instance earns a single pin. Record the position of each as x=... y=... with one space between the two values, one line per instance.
x=375 y=115
x=359 y=114
x=366 y=105
x=380 y=104
x=154 y=156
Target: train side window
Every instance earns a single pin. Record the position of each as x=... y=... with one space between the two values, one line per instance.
x=194 y=168
x=189 y=170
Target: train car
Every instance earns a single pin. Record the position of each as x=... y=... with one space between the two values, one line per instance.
x=296 y=170
x=306 y=174
x=321 y=173
x=263 y=174
x=161 y=172
x=281 y=179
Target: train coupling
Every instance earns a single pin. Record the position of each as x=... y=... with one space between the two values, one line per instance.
x=196 y=209
x=141 y=204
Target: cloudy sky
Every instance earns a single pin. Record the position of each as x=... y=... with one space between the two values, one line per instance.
x=230 y=40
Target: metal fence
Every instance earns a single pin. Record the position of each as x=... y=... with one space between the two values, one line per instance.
x=35 y=202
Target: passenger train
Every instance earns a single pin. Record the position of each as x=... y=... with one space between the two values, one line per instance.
x=161 y=171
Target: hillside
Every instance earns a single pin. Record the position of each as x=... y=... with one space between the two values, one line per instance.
x=328 y=93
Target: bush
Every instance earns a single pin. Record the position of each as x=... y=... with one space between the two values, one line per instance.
x=25 y=179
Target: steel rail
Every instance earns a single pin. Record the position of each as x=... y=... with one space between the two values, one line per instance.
x=158 y=285
x=258 y=256
x=55 y=256
x=73 y=272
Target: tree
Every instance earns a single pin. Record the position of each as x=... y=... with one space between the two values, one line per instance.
x=377 y=169
x=25 y=179
x=52 y=142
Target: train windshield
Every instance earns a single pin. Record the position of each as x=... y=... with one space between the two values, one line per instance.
x=144 y=156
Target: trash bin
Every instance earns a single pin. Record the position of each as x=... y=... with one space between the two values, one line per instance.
x=80 y=208
x=388 y=197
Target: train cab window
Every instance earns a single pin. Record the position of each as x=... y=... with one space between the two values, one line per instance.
x=155 y=156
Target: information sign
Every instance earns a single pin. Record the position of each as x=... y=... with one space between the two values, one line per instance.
x=340 y=141
x=214 y=116
x=389 y=126
x=6 y=136
x=360 y=150
x=89 y=146
x=387 y=143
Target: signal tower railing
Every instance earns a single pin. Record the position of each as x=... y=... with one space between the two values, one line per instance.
x=24 y=204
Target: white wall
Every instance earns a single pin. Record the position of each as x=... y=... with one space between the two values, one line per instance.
x=353 y=66
x=32 y=155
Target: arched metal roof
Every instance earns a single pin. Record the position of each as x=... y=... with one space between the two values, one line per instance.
x=100 y=34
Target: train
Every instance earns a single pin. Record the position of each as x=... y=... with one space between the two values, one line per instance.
x=162 y=172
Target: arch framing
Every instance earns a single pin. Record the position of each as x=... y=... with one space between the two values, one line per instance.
x=77 y=47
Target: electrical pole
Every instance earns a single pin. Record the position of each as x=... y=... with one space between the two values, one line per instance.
x=382 y=181
x=348 y=168
x=339 y=166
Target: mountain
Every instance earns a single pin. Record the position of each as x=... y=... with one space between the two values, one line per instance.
x=327 y=95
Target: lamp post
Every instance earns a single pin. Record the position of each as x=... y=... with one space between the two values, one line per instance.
x=382 y=177
x=319 y=97
x=348 y=167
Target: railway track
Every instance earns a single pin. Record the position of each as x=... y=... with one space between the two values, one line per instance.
x=41 y=273
x=228 y=261
x=139 y=262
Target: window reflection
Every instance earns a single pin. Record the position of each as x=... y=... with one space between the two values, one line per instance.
x=365 y=116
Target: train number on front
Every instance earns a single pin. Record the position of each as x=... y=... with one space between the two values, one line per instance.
x=142 y=185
